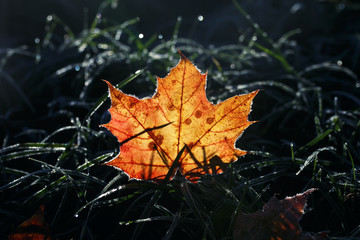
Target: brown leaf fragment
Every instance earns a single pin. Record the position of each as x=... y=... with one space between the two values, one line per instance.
x=278 y=220
x=34 y=228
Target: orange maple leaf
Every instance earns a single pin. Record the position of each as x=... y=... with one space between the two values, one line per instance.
x=178 y=121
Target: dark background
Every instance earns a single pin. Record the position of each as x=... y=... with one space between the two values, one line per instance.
x=327 y=29
x=23 y=21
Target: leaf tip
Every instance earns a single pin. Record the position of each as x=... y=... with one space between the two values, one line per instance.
x=182 y=56
x=256 y=92
x=107 y=82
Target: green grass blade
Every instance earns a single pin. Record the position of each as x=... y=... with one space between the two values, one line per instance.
x=316 y=139
x=155 y=198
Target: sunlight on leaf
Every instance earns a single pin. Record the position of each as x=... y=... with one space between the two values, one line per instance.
x=152 y=131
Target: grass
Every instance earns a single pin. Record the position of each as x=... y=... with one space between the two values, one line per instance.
x=53 y=149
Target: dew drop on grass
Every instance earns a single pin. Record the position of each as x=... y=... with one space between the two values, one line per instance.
x=103 y=46
x=98 y=18
x=77 y=68
x=82 y=47
x=179 y=18
x=49 y=18
x=76 y=215
x=137 y=71
x=118 y=35
x=296 y=8
x=339 y=63
x=37 y=40
x=141 y=36
x=341 y=6
x=200 y=18
x=160 y=36
x=114 y=4
x=100 y=61
x=37 y=58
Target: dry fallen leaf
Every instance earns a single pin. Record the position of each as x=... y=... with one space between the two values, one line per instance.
x=34 y=228
x=278 y=220
x=153 y=131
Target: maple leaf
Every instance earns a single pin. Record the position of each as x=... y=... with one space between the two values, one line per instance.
x=278 y=220
x=34 y=228
x=153 y=131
